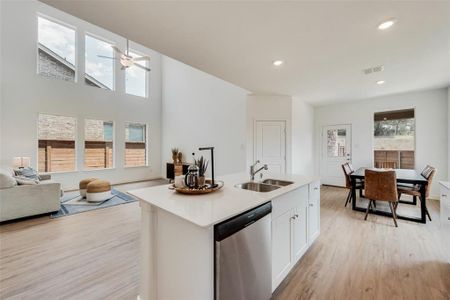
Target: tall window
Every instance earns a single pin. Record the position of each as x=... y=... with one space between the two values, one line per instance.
x=394 y=139
x=56 y=150
x=98 y=144
x=56 y=50
x=99 y=63
x=135 y=145
x=136 y=78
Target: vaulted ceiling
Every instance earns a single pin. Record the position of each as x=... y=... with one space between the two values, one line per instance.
x=325 y=45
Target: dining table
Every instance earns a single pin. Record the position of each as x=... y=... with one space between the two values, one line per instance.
x=404 y=176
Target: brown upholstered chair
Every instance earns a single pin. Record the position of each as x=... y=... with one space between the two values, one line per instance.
x=414 y=191
x=425 y=173
x=381 y=186
x=348 y=170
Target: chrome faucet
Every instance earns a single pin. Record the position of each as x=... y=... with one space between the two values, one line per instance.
x=253 y=172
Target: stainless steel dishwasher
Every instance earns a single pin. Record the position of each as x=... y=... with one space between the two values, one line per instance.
x=243 y=256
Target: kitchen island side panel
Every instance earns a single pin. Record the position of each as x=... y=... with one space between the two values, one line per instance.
x=183 y=256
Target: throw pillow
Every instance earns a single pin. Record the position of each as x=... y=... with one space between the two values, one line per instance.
x=28 y=172
x=21 y=180
x=6 y=181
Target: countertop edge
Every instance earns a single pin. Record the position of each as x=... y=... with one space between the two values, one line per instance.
x=445 y=184
x=306 y=180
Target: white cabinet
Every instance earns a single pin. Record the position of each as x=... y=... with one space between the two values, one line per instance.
x=299 y=230
x=313 y=211
x=281 y=247
x=293 y=222
x=445 y=203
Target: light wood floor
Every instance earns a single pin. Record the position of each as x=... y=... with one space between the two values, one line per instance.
x=94 y=255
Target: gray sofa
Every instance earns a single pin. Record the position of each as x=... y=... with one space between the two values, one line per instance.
x=18 y=201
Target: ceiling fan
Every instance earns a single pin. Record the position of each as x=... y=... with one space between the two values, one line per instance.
x=126 y=60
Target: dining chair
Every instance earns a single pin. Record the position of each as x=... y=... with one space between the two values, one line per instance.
x=381 y=186
x=415 y=190
x=348 y=170
x=425 y=173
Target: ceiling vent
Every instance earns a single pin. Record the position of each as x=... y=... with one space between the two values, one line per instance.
x=373 y=70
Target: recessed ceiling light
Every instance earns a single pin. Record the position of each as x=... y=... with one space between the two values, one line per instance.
x=278 y=62
x=380 y=82
x=387 y=24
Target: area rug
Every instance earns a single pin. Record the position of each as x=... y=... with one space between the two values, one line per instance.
x=74 y=203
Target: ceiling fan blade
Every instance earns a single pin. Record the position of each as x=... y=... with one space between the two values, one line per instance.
x=117 y=49
x=103 y=56
x=141 y=58
x=142 y=67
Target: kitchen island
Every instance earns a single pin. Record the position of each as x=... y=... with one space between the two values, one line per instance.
x=177 y=232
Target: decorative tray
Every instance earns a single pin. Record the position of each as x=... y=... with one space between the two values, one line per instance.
x=203 y=190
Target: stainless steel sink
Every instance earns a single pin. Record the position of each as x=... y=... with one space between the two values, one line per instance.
x=277 y=182
x=257 y=187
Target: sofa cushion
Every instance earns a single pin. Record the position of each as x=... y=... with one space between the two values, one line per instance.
x=6 y=180
x=28 y=172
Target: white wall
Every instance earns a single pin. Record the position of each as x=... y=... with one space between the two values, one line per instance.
x=431 y=120
x=25 y=94
x=448 y=130
x=302 y=137
x=268 y=108
x=201 y=110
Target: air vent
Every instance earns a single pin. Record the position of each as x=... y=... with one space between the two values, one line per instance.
x=373 y=70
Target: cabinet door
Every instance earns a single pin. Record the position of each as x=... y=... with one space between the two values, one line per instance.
x=314 y=211
x=445 y=206
x=281 y=247
x=299 y=231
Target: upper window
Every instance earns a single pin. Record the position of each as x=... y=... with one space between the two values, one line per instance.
x=56 y=50
x=99 y=63
x=98 y=144
x=56 y=150
x=136 y=78
x=135 y=145
x=394 y=139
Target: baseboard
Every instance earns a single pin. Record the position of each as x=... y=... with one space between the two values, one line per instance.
x=336 y=186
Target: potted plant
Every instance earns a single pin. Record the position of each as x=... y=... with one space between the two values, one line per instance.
x=202 y=165
x=180 y=157
x=175 y=155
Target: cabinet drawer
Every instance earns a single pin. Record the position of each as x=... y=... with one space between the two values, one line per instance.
x=287 y=201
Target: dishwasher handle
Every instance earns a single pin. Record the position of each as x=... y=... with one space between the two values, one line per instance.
x=235 y=224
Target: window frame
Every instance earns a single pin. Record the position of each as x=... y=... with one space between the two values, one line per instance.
x=147 y=77
x=113 y=141
x=76 y=42
x=114 y=55
x=393 y=109
x=146 y=140
x=75 y=144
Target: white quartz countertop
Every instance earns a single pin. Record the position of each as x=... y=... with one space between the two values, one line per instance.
x=445 y=184
x=209 y=209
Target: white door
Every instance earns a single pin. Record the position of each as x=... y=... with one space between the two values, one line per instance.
x=270 y=145
x=336 y=150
